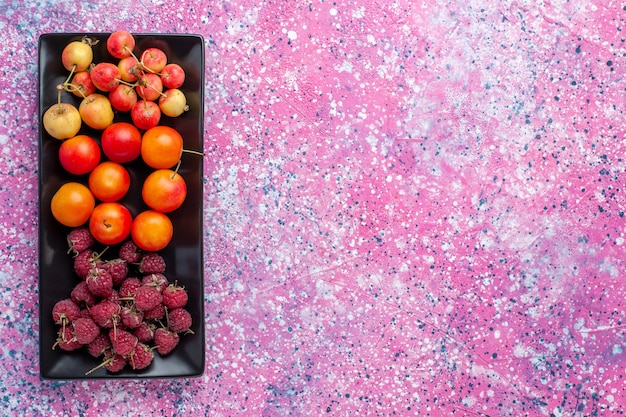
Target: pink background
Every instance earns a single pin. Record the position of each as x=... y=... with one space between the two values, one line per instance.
x=412 y=208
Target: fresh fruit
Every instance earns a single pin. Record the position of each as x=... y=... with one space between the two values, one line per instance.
x=147 y=297
x=153 y=60
x=161 y=147
x=120 y=44
x=129 y=252
x=96 y=111
x=79 y=155
x=166 y=340
x=79 y=239
x=84 y=261
x=164 y=190
x=123 y=97
x=72 y=204
x=121 y=142
x=152 y=263
x=156 y=280
x=129 y=287
x=179 y=320
x=149 y=86
x=85 y=330
x=175 y=296
x=106 y=313
x=62 y=120
x=81 y=85
x=141 y=357
x=152 y=230
x=77 y=56
x=109 y=181
x=110 y=223
x=145 y=114
x=117 y=268
x=82 y=296
x=105 y=76
x=172 y=76
x=122 y=341
x=65 y=311
x=99 y=282
x=66 y=339
x=173 y=102
x=129 y=69
x=100 y=345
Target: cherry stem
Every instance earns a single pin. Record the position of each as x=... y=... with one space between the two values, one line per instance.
x=193 y=152
x=69 y=77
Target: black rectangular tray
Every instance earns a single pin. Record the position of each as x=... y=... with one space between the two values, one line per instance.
x=184 y=255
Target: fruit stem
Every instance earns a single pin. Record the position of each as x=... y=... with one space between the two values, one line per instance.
x=193 y=152
x=69 y=77
x=176 y=170
x=102 y=365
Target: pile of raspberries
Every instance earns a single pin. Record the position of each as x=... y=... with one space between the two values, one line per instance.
x=117 y=315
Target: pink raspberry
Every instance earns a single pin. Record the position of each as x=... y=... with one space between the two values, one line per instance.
x=155 y=313
x=175 y=296
x=99 y=345
x=129 y=286
x=66 y=339
x=85 y=330
x=152 y=263
x=157 y=280
x=79 y=239
x=129 y=252
x=165 y=340
x=106 y=313
x=179 y=320
x=123 y=342
x=147 y=297
x=131 y=317
x=84 y=261
x=115 y=362
x=65 y=311
x=82 y=296
x=99 y=282
x=145 y=332
x=118 y=269
x=141 y=357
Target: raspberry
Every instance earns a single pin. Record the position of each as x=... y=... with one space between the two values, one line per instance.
x=115 y=297
x=152 y=263
x=129 y=286
x=157 y=280
x=66 y=339
x=106 y=313
x=141 y=357
x=115 y=362
x=84 y=313
x=85 y=330
x=82 y=296
x=145 y=332
x=84 y=261
x=99 y=282
x=179 y=320
x=155 y=313
x=79 y=239
x=123 y=342
x=131 y=317
x=99 y=345
x=146 y=298
x=166 y=340
x=65 y=311
x=117 y=268
x=175 y=296
x=130 y=253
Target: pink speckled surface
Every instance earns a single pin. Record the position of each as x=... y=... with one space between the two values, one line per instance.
x=412 y=208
